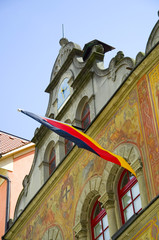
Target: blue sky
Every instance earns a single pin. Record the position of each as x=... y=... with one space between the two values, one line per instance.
x=30 y=31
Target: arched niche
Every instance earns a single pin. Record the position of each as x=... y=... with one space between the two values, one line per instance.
x=45 y=163
x=153 y=38
x=131 y=154
x=111 y=175
x=91 y=191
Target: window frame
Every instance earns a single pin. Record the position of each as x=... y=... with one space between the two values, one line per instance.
x=51 y=160
x=66 y=142
x=97 y=219
x=84 y=116
x=124 y=190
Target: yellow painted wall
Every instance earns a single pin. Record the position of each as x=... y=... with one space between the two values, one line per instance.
x=135 y=121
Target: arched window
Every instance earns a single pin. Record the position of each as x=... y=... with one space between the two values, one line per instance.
x=99 y=223
x=129 y=196
x=68 y=146
x=85 y=118
x=52 y=161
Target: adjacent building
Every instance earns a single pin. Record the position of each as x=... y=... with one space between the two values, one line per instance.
x=16 y=157
x=71 y=193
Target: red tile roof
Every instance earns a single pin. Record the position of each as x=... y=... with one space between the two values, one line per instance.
x=9 y=142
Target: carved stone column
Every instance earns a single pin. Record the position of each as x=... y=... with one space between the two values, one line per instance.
x=81 y=231
x=107 y=199
x=60 y=151
x=137 y=166
x=44 y=168
x=142 y=187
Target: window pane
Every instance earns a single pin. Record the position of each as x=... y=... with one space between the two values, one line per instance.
x=85 y=111
x=100 y=238
x=86 y=122
x=137 y=204
x=52 y=165
x=128 y=212
x=124 y=181
x=52 y=155
x=96 y=211
x=97 y=229
x=85 y=117
x=68 y=146
x=126 y=199
x=105 y=222
x=106 y=234
x=135 y=190
x=52 y=161
x=131 y=176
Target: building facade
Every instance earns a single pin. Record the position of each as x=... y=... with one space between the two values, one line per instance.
x=73 y=194
x=16 y=157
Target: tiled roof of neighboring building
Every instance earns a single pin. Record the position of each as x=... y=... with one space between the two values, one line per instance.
x=9 y=142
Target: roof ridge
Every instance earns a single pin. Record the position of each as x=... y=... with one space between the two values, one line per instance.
x=15 y=136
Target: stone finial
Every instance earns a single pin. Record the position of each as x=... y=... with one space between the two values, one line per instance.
x=119 y=57
x=63 y=42
x=139 y=58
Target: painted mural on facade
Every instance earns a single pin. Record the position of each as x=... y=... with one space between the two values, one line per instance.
x=153 y=79
x=149 y=231
x=132 y=123
x=147 y=87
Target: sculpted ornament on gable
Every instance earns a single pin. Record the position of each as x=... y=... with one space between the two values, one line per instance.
x=116 y=63
x=113 y=65
x=66 y=48
x=139 y=58
x=153 y=38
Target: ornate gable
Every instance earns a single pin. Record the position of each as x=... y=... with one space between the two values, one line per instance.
x=66 y=48
x=153 y=39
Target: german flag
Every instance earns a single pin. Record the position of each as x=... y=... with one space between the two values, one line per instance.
x=80 y=139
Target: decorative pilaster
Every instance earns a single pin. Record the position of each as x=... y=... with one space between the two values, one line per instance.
x=81 y=230
x=143 y=193
x=107 y=199
x=138 y=168
x=60 y=151
x=44 y=168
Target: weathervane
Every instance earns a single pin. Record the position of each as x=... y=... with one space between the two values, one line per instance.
x=63 y=30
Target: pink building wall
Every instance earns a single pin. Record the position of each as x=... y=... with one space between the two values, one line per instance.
x=3 y=189
x=21 y=167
